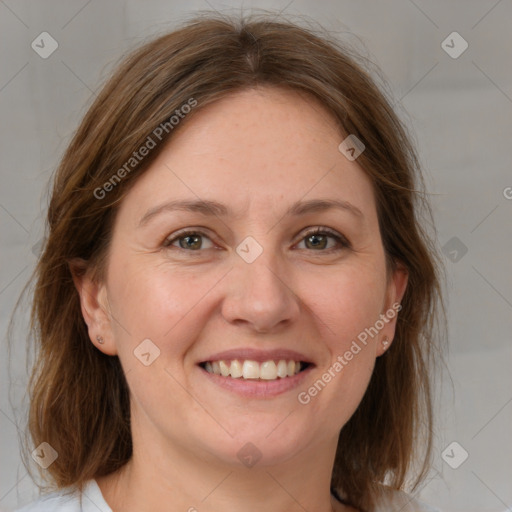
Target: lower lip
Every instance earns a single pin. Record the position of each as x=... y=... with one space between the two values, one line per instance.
x=254 y=388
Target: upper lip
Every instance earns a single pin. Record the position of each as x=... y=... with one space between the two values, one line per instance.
x=258 y=355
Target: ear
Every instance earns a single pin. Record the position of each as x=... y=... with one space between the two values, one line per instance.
x=397 y=283
x=94 y=305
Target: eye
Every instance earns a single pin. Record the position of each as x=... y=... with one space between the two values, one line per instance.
x=318 y=240
x=192 y=240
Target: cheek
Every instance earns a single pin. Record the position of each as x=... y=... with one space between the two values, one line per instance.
x=152 y=299
x=347 y=302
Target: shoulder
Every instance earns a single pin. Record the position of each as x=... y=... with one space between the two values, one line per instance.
x=59 y=501
x=391 y=499
x=70 y=500
x=387 y=499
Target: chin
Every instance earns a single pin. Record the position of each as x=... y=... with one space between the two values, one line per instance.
x=264 y=443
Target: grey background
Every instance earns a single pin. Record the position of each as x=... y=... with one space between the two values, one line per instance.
x=460 y=111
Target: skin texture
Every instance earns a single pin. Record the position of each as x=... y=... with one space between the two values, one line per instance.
x=257 y=151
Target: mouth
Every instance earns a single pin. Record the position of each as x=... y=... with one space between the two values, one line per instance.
x=256 y=373
x=250 y=369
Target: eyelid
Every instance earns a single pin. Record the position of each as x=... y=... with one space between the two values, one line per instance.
x=341 y=239
x=204 y=232
x=305 y=232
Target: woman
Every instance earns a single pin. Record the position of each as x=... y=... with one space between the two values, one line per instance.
x=236 y=300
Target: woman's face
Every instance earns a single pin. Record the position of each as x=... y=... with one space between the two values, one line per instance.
x=250 y=283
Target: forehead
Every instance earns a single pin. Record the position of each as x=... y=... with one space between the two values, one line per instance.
x=263 y=148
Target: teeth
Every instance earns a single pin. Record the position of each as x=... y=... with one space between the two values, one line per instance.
x=224 y=369
x=248 y=369
x=235 y=369
x=282 y=369
x=268 y=370
x=251 y=370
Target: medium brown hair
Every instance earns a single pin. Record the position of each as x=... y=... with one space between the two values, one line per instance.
x=79 y=396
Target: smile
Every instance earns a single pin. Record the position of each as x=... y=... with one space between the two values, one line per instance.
x=249 y=369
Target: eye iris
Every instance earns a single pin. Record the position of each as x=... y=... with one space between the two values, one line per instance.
x=196 y=242
x=317 y=240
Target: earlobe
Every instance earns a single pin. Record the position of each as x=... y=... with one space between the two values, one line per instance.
x=91 y=295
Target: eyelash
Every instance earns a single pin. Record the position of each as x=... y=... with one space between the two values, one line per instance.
x=343 y=243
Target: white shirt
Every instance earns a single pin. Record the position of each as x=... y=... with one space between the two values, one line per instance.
x=93 y=501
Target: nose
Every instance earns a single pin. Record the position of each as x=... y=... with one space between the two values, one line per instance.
x=260 y=295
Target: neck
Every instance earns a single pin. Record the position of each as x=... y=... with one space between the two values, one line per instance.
x=172 y=478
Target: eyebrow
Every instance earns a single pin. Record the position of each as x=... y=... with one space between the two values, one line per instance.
x=213 y=208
